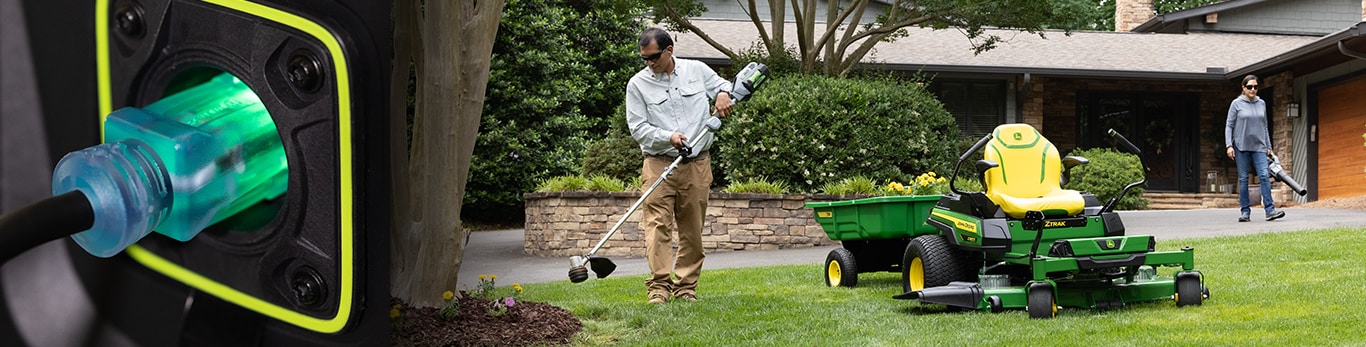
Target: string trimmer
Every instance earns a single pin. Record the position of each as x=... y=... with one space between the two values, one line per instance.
x=746 y=83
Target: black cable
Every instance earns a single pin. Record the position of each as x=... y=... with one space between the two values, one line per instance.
x=50 y=219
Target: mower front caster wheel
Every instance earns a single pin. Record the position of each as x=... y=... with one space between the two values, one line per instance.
x=1041 y=303
x=1189 y=290
x=840 y=269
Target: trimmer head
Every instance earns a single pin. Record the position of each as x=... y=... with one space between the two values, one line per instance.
x=601 y=266
x=578 y=267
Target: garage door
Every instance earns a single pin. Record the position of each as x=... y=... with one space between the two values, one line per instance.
x=1342 y=158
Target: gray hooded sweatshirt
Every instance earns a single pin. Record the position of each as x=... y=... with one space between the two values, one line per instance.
x=1245 y=129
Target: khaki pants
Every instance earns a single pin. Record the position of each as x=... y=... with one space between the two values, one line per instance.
x=680 y=199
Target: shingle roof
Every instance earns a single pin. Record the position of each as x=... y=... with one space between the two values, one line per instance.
x=1084 y=53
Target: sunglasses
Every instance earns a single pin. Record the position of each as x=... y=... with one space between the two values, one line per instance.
x=1250 y=86
x=652 y=57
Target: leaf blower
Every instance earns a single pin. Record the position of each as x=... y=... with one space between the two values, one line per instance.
x=746 y=83
x=1278 y=172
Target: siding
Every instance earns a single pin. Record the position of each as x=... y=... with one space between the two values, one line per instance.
x=1304 y=17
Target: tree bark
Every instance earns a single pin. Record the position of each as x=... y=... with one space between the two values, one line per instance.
x=453 y=48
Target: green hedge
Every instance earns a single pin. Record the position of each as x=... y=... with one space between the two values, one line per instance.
x=556 y=74
x=810 y=130
x=1107 y=174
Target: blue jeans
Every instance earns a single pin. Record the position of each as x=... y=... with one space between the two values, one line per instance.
x=1257 y=160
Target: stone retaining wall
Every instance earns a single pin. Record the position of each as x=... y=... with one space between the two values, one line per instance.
x=570 y=223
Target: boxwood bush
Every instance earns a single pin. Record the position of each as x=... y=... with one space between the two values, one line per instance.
x=1107 y=174
x=810 y=130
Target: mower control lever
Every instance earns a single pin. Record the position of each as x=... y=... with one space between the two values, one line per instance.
x=975 y=147
x=1128 y=145
x=1110 y=206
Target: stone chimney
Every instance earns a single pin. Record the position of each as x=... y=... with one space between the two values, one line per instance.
x=1131 y=13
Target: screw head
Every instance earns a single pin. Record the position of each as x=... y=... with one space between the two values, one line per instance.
x=128 y=19
x=307 y=286
x=304 y=71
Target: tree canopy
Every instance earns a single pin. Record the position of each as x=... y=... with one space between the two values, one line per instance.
x=837 y=49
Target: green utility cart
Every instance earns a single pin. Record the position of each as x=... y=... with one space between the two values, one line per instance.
x=874 y=232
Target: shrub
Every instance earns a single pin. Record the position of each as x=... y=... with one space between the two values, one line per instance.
x=808 y=131
x=1107 y=174
x=576 y=183
x=857 y=185
x=557 y=72
x=968 y=184
x=563 y=184
x=615 y=155
x=605 y=184
x=756 y=185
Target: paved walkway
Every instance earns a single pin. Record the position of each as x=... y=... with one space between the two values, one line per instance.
x=500 y=252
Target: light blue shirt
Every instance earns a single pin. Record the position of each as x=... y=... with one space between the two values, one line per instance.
x=1245 y=128
x=658 y=105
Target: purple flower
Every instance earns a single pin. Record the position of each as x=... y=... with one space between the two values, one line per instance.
x=509 y=302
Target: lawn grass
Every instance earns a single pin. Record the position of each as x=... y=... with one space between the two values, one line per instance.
x=1297 y=288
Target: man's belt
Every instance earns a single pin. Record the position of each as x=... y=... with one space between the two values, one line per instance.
x=672 y=157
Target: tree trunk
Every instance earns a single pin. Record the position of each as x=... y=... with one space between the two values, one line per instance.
x=452 y=49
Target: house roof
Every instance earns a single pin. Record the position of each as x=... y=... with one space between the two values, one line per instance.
x=1164 y=21
x=1331 y=49
x=1193 y=56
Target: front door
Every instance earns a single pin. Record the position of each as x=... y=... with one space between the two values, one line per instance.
x=1163 y=125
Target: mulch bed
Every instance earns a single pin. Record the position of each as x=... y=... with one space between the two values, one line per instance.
x=524 y=324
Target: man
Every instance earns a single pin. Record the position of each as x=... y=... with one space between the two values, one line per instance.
x=664 y=101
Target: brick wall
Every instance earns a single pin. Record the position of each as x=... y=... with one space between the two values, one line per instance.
x=1283 y=84
x=570 y=223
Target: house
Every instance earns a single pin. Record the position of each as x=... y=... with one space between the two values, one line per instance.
x=1164 y=81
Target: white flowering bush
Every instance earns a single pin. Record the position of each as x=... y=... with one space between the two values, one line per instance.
x=810 y=131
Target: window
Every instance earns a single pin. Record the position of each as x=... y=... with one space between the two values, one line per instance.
x=978 y=106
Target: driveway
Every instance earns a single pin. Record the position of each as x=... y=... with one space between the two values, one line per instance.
x=500 y=252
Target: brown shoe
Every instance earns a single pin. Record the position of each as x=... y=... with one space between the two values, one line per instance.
x=689 y=297
x=658 y=298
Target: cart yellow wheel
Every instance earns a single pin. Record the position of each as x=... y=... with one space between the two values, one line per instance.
x=840 y=269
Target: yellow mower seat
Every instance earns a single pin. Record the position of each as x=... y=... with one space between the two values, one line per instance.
x=1028 y=175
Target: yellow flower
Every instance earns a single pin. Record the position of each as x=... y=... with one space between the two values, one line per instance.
x=447 y=295
x=493 y=277
x=517 y=287
x=393 y=313
x=483 y=277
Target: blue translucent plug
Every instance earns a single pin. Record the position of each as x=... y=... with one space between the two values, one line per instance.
x=176 y=166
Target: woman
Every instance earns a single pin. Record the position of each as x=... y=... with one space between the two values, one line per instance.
x=1249 y=144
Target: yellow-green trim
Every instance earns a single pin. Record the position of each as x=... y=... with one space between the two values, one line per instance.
x=958 y=223
x=102 y=62
x=193 y=279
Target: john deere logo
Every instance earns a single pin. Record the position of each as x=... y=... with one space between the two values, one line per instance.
x=825 y=214
x=1110 y=244
x=1018 y=136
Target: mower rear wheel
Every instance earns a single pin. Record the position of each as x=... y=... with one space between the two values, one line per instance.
x=1189 y=291
x=930 y=261
x=841 y=270
x=1041 y=303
